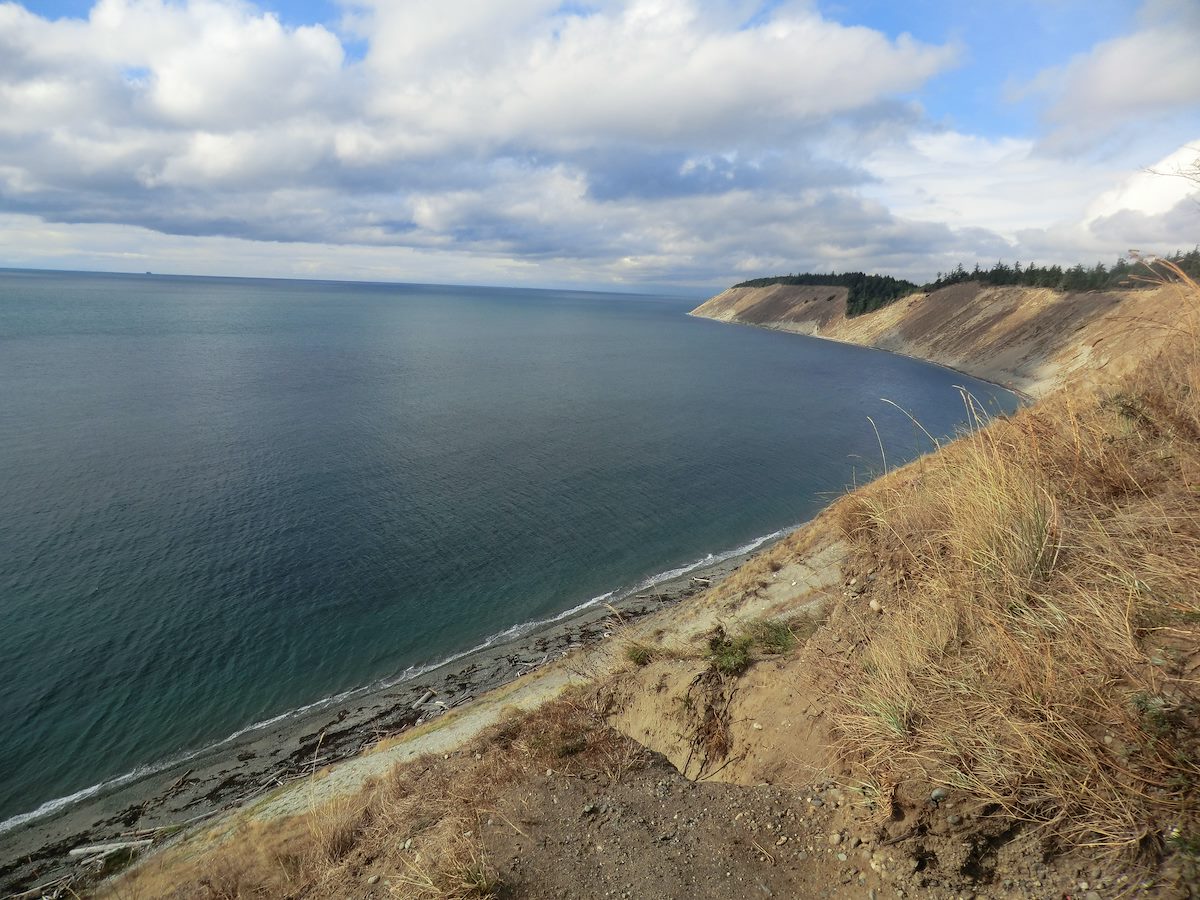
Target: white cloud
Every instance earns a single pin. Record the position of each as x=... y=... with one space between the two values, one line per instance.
x=661 y=71
x=660 y=140
x=1155 y=191
x=1151 y=73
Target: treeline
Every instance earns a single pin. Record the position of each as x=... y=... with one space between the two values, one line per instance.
x=1122 y=274
x=865 y=292
x=871 y=292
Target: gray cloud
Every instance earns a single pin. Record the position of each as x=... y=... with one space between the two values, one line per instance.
x=661 y=142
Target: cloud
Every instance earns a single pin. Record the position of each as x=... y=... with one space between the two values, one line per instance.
x=631 y=141
x=669 y=72
x=1118 y=85
x=530 y=129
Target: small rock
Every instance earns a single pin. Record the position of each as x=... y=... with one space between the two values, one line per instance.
x=938 y=794
x=835 y=839
x=781 y=841
x=875 y=605
x=953 y=820
x=374 y=879
x=841 y=857
x=756 y=727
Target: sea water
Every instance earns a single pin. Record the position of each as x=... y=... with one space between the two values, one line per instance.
x=223 y=499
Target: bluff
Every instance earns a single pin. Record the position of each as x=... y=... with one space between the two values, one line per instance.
x=1028 y=339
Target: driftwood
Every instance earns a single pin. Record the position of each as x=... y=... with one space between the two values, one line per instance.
x=49 y=889
x=425 y=698
x=144 y=832
x=105 y=849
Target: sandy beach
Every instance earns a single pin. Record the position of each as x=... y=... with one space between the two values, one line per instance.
x=228 y=775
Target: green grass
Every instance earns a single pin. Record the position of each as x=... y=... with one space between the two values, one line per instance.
x=640 y=654
x=730 y=656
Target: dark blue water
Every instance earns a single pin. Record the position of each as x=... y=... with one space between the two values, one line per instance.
x=224 y=498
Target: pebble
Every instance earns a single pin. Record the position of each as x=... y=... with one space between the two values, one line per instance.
x=835 y=839
x=939 y=794
x=374 y=879
x=876 y=606
x=953 y=820
x=841 y=857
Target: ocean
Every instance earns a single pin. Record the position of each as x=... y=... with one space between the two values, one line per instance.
x=224 y=499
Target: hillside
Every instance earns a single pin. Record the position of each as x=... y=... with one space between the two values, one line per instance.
x=976 y=676
x=1024 y=338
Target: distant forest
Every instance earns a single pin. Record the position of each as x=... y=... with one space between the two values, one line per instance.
x=867 y=292
x=870 y=292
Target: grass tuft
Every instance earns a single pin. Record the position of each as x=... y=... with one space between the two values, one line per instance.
x=729 y=655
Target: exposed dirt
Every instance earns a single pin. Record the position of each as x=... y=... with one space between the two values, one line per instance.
x=656 y=834
x=1028 y=339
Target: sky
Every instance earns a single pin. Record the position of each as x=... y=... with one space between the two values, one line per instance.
x=631 y=145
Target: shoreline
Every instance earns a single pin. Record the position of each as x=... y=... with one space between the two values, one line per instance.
x=264 y=756
x=1023 y=396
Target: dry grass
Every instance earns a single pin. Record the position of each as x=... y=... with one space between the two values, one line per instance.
x=1040 y=651
x=419 y=829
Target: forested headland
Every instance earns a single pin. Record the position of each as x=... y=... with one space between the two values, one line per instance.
x=870 y=292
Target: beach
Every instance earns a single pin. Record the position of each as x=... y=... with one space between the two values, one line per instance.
x=252 y=764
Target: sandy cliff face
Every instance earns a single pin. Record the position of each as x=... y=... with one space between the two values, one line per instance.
x=1028 y=339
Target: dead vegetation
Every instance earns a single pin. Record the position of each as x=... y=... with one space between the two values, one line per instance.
x=417 y=829
x=1039 y=643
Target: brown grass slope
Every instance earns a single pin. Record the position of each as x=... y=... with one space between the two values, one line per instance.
x=998 y=694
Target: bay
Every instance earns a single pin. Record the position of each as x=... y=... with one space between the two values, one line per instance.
x=227 y=498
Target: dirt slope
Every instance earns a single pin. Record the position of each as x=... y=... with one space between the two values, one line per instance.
x=1028 y=339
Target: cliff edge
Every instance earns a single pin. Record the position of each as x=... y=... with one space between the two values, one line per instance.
x=1027 y=339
